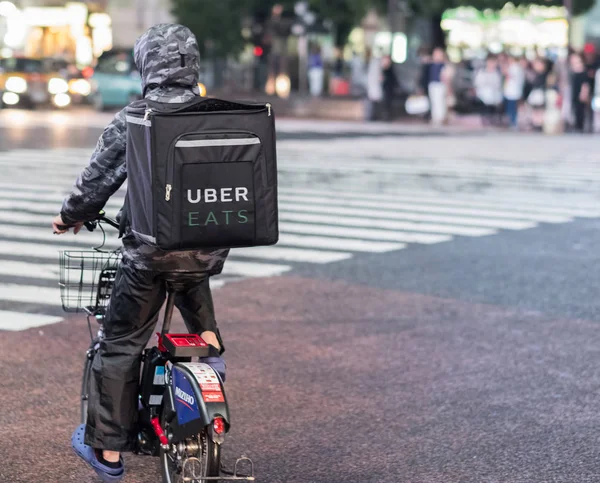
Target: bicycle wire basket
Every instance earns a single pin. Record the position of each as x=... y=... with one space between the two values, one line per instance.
x=87 y=279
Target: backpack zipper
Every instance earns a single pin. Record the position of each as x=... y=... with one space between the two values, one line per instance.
x=268 y=106
x=147 y=114
x=168 y=192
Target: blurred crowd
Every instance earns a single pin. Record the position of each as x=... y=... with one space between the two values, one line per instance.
x=520 y=93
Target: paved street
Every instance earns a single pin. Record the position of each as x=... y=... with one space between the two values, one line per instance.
x=429 y=315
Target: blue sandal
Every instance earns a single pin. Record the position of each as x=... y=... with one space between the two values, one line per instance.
x=87 y=454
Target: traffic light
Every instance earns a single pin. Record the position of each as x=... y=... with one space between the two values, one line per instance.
x=258 y=51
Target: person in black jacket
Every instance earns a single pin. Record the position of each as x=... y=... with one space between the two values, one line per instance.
x=168 y=59
x=581 y=91
x=390 y=82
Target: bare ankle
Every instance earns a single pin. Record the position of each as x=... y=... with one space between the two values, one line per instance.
x=111 y=456
x=211 y=339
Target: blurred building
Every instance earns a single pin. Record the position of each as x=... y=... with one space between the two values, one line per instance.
x=77 y=31
x=130 y=18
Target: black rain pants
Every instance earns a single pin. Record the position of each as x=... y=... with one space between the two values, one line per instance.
x=130 y=321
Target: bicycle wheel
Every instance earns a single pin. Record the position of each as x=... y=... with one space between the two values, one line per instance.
x=85 y=382
x=200 y=458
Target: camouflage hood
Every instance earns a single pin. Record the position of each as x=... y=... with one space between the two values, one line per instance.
x=168 y=59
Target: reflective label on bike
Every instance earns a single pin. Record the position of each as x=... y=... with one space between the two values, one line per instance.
x=206 y=377
x=156 y=400
x=210 y=387
x=159 y=376
x=213 y=397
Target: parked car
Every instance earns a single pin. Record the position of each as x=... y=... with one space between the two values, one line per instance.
x=116 y=81
x=29 y=82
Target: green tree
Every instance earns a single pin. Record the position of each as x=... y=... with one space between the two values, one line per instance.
x=346 y=14
x=216 y=23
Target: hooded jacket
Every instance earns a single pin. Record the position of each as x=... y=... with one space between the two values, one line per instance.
x=168 y=59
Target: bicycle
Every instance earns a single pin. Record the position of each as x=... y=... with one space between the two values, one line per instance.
x=183 y=411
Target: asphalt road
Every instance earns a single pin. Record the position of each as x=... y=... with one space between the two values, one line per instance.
x=459 y=356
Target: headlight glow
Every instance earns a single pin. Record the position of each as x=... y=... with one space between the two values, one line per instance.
x=283 y=86
x=16 y=84
x=62 y=100
x=57 y=86
x=80 y=86
x=10 y=98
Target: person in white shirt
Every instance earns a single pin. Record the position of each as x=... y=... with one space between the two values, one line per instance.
x=488 y=87
x=514 y=84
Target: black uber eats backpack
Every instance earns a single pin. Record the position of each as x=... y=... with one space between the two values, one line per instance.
x=202 y=174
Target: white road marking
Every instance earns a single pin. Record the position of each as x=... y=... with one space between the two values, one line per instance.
x=369 y=234
x=291 y=254
x=372 y=213
x=29 y=270
x=339 y=243
x=248 y=269
x=30 y=294
x=520 y=204
x=490 y=213
x=386 y=224
x=17 y=321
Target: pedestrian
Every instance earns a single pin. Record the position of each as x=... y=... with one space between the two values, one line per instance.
x=488 y=88
x=592 y=64
x=316 y=73
x=390 y=82
x=168 y=59
x=357 y=75
x=374 y=87
x=536 y=98
x=581 y=89
x=438 y=89
x=423 y=82
x=514 y=84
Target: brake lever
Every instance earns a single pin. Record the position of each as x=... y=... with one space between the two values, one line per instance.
x=91 y=225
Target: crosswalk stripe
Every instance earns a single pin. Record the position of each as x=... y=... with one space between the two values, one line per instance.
x=332 y=243
x=17 y=321
x=29 y=270
x=506 y=180
x=249 y=269
x=370 y=234
x=418 y=217
x=21 y=218
x=517 y=205
x=386 y=224
x=45 y=234
x=292 y=254
x=34 y=250
x=30 y=294
x=408 y=206
x=455 y=168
